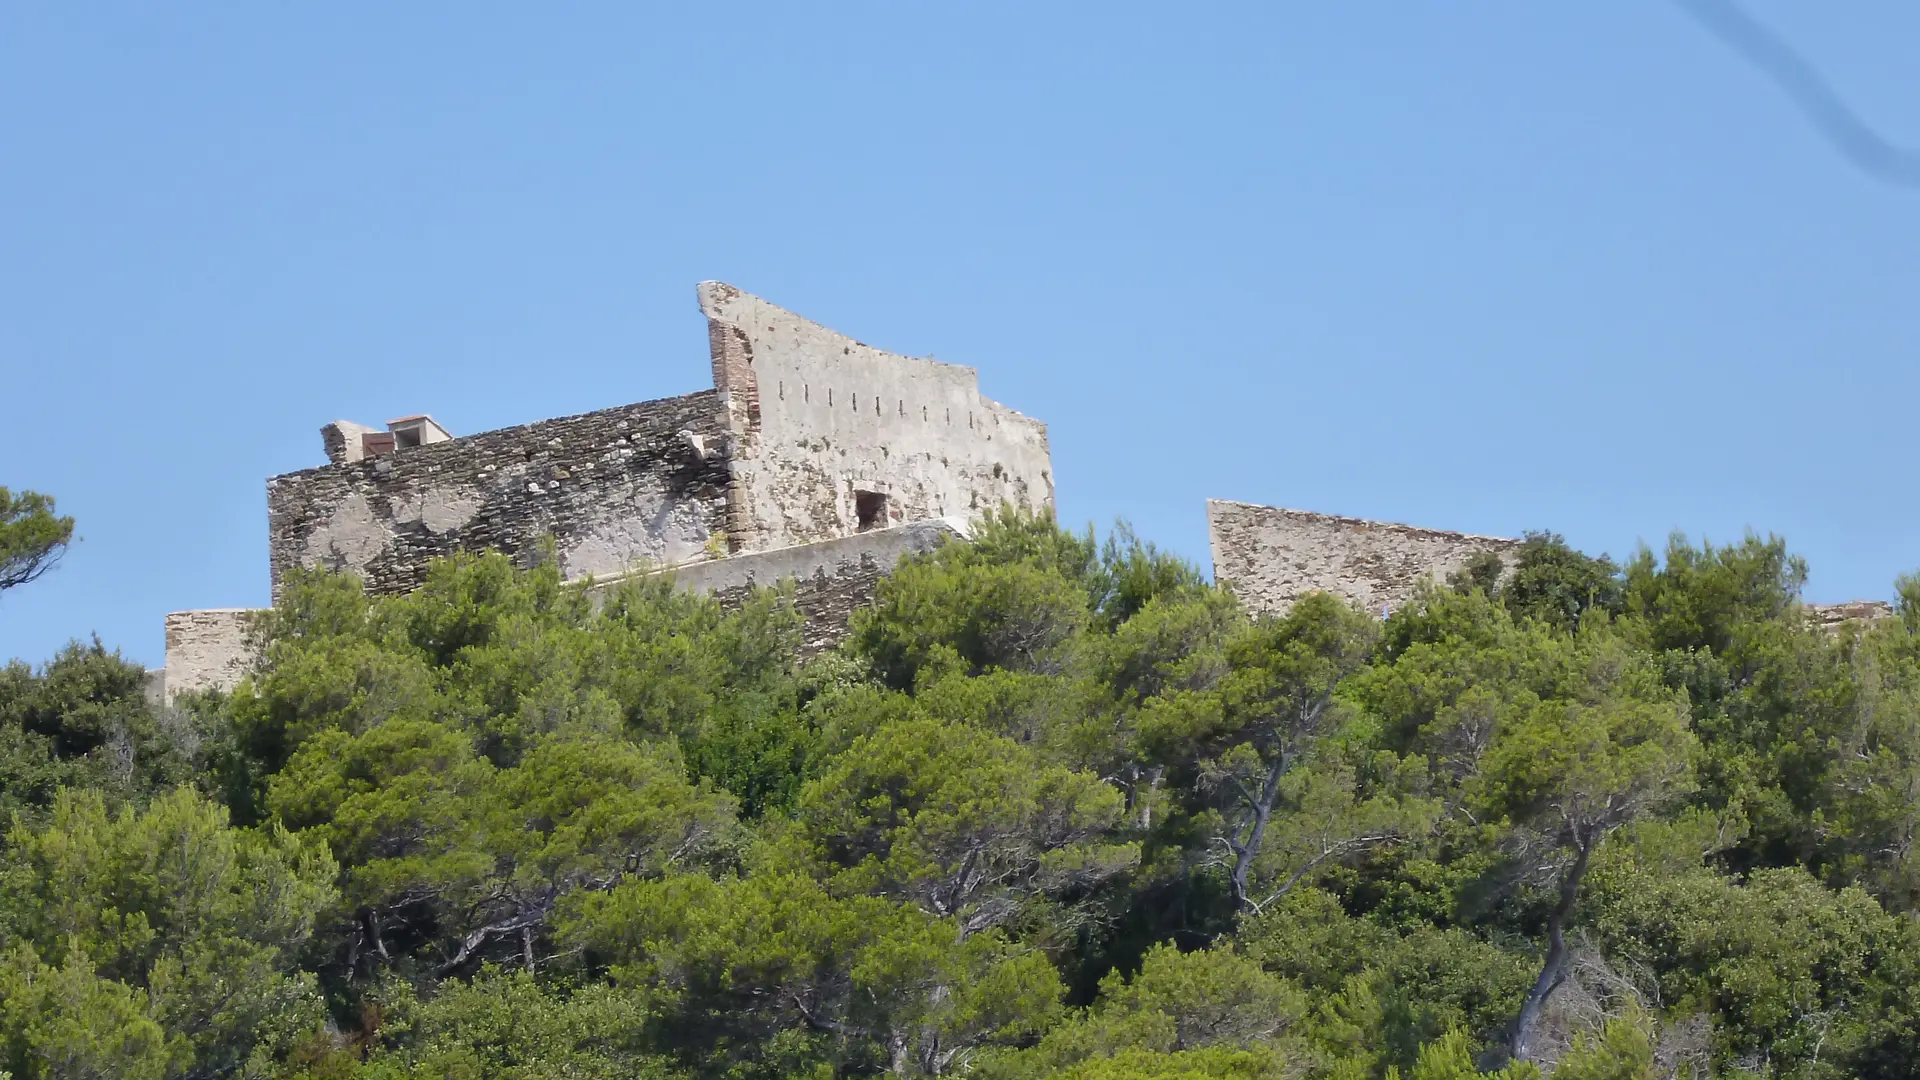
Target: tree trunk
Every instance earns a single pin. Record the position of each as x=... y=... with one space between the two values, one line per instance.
x=897 y=1057
x=1554 y=967
x=1262 y=813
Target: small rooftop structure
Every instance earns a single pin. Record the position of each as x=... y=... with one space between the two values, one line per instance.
x=346 y=441
x=419 y=430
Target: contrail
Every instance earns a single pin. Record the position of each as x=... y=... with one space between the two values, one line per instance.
x=1809 y=90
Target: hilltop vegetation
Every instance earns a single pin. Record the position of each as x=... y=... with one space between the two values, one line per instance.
x=1058 y=808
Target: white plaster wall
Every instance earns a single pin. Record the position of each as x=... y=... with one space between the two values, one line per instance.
x=638 y=527
x=836 y=416
x=1271 y=557
x=207 y=649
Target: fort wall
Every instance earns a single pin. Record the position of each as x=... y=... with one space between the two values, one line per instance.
x=207 y=650
x=831 y=579
x=833 y=436
x=639 y=483
x=213 y=649
x=815 y=459
x=1270 y=557
x=807 y=436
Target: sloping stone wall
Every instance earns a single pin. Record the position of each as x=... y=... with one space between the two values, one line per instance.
x=639 y=483
x=831 y=578
x=819 y=418
x=1271 y=557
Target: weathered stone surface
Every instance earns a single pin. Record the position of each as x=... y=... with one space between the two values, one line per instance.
x=209 y=650
x=638 y=483
x=807 y=436
x=1271 y=557
x=1834 y=616
x=820 y=418
x=807 y=455
x=831 y=578
x=154 y=687
x=206 y=650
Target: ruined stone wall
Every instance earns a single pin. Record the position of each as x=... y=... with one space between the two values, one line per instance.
x=211 y=650
x=207 y=650
x=831 y=578
x=819 y=417
x=1271 y=557
x=638 y=483
x=1862 y=613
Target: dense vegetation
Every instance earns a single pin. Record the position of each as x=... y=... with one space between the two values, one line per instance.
x=1057 y=808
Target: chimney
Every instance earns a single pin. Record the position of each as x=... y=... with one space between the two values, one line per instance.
x=416 y=431
x=345 y=440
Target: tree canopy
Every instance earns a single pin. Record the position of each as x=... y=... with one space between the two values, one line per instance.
x=1058 y=807
x=32 y=537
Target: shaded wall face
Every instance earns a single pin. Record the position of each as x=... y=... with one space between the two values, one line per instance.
x=1271 y=557
x=830 y=579
x=833 y=436
x=641 y=483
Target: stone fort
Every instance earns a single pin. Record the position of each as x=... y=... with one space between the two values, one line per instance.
x=814 y=459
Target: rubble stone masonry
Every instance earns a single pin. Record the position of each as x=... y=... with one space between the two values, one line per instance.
x=807 y=436
x=636 y=484
x=208 y=649
x=830 y=579
x=1271 y=557
x=815 y=458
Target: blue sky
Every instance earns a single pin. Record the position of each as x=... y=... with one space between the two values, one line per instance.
x=1482 y=266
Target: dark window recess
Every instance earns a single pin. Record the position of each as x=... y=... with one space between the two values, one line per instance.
x=871 y=508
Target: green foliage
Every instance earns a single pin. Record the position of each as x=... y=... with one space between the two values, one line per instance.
x=1614 y=745
x=1451 y=1058
x=1383 y=992
x=1702 y=597
x=500 y=1026
x=444 y=847
x=1202 y=1013
x=1013 y=597
x=1623 y=1050
x=1057 y=808
x=66 y=1021
x=959 y=822
x=83 y=720
x=1242 y=738
x=1016 y=616
x=194 y=925
x=1212 y=1063
x=1557 y=585
x=880 y=984
x=32 y=537
x=1789 y=970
